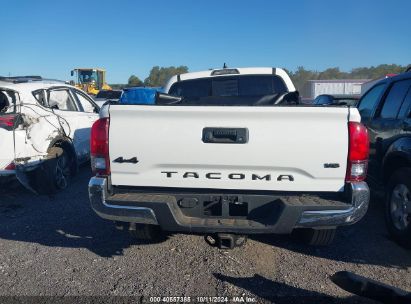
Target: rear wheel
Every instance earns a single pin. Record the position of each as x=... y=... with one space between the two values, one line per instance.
x=398 y=207
x=55 y=173
x=317 y=237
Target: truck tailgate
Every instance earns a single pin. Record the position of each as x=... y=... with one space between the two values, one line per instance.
x=286 y=149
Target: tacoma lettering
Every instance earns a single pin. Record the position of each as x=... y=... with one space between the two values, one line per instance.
x=232 y=176
x=266 y=177
x=168 y=173
x=214 y=175
x=190 y=174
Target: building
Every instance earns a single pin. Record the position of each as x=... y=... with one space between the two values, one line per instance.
x=313 y=88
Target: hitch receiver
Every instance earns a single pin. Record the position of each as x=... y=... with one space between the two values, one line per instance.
x=225 y=240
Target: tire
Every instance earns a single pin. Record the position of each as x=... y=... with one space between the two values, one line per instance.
x=397 y=217
x=317 y=237
x=55 y=173
x=145 y=232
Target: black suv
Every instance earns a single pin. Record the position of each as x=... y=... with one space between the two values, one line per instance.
x=385 y=110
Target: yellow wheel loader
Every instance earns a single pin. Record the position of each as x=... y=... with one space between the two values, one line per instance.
x=90 y=80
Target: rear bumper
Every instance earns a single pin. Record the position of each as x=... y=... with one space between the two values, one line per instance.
x=275 y=213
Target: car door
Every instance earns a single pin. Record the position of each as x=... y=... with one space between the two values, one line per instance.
x=79 y=113
x=88 y=113
x=386 y=125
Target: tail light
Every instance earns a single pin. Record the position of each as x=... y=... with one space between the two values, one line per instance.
x=9 y=121
x=358 y=151
x=11 y=167
x=100 y=160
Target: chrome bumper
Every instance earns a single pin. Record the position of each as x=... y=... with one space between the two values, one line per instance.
x=97 y=189
x=359 y=197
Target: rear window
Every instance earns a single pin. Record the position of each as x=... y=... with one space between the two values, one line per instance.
x=226 y=86
x=8 y=101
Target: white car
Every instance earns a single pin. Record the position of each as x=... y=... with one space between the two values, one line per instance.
x=44 y=132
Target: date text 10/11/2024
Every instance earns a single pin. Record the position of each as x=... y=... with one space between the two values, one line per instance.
x=199 y=299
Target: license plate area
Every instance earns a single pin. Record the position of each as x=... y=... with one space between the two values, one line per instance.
x=260 y=208
x=224 y=206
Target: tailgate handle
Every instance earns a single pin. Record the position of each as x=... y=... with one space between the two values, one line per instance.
x=225 y=135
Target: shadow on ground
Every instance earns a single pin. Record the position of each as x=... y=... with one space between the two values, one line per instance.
x=66 y=220
x=366 y=242
x=63 y=220
x=277 y=292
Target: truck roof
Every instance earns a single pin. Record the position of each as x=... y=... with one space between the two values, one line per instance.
x=230 y=72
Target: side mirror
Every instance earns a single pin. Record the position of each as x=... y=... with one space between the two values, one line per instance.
x=72 y=73
x=71 y=82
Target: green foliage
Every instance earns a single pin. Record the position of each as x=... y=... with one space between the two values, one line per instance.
x=160 y=75
x=301 y=75
x=134 y=81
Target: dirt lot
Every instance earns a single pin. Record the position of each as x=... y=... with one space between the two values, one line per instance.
x=58 y=246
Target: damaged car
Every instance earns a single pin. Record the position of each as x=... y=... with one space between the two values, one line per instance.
x=44 y=132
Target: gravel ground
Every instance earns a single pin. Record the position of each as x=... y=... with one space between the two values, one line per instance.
x=57 y=246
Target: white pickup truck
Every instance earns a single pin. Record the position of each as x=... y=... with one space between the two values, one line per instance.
x=230 y=152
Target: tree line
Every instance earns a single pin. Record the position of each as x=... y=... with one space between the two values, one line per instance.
x=159 y=75
x=301 y=75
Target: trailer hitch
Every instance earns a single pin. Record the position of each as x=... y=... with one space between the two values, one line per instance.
x=225 y=240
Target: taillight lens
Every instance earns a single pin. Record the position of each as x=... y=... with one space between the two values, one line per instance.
x=358 y=151
x=9 y=121
x=10 y=167
x=100 y=160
